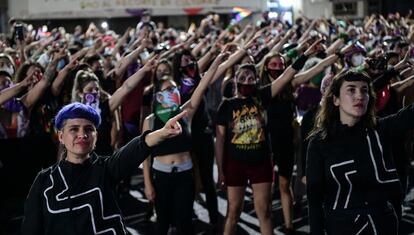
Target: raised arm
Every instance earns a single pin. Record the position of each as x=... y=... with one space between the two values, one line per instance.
x=198 y=93
x=11 y=92
x=243 y=34
x=208 y=57
x=39 y=89
x=203 y=43
x=281 y=42
x=59 y=81
x=278 y=84
x=305 y=76
x=125 y=61
x=119 y=95
x=403 y=85
x=307 y=31
x=335 y=46
x=123 y=162
x=121 y=42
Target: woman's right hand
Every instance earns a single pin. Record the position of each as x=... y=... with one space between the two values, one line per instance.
x=150 y=192
x=221 y=181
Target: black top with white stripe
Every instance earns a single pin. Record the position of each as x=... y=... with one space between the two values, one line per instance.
x=354 y=169
x=76 y=199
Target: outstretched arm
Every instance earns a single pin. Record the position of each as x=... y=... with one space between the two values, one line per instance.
x=11 y=92
x=197 y=96
x=278 y=84
x=119 y=95
x=123 y=162
x=39 y=89
x=59 y=81
x=305 y=76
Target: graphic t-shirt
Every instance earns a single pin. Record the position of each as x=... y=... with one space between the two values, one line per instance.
x=245 y=122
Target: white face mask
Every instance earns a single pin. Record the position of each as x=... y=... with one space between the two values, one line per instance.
x=357 y=60
x=8 y=69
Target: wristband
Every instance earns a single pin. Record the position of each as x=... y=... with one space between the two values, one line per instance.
x=299 y=62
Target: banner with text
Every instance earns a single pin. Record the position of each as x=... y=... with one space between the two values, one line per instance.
x=49 y=6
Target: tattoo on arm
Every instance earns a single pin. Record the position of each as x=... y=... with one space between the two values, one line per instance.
x=49 y=74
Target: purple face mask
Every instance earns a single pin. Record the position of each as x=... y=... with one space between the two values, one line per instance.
x=187 y=85
x=90 y=98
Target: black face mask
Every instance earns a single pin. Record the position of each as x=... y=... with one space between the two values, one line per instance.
x=246 y=89
x=275 y=73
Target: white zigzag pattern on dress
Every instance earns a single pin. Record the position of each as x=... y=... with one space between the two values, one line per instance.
x=81 y=206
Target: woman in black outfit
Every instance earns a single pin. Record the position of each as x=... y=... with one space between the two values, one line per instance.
x=351 y=177
x=76 y=195
x=169 y=179
x=187 y=76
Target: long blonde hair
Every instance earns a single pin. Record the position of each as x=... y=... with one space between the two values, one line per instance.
x=82 y=78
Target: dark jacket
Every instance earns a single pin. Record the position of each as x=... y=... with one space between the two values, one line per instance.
x=354 y=169
x=76 y=199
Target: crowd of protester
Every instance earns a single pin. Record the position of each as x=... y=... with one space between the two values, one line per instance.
x=332 y=96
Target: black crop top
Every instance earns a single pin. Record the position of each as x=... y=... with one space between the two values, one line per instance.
x=178 y=144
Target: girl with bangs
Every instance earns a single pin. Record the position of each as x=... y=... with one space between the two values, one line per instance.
x=169 y=184
x=351 y=177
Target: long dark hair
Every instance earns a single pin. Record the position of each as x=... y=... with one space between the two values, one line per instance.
x=287 y=91
x=177 y=72
x=328 y=120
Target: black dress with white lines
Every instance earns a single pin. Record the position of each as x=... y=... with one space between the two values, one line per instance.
x=351 y=177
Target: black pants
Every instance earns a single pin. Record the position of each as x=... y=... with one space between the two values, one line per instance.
x=378 y=220
x=174 y=197
x=204 y=154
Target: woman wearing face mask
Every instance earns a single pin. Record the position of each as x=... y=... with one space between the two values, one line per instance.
x=170 y=181
x=280 y=115
x=14 y=134
x=242 y=150
x=163 y=68
x=351 y=177
x=187 y=77
x=355 y=56
x=87 y=90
